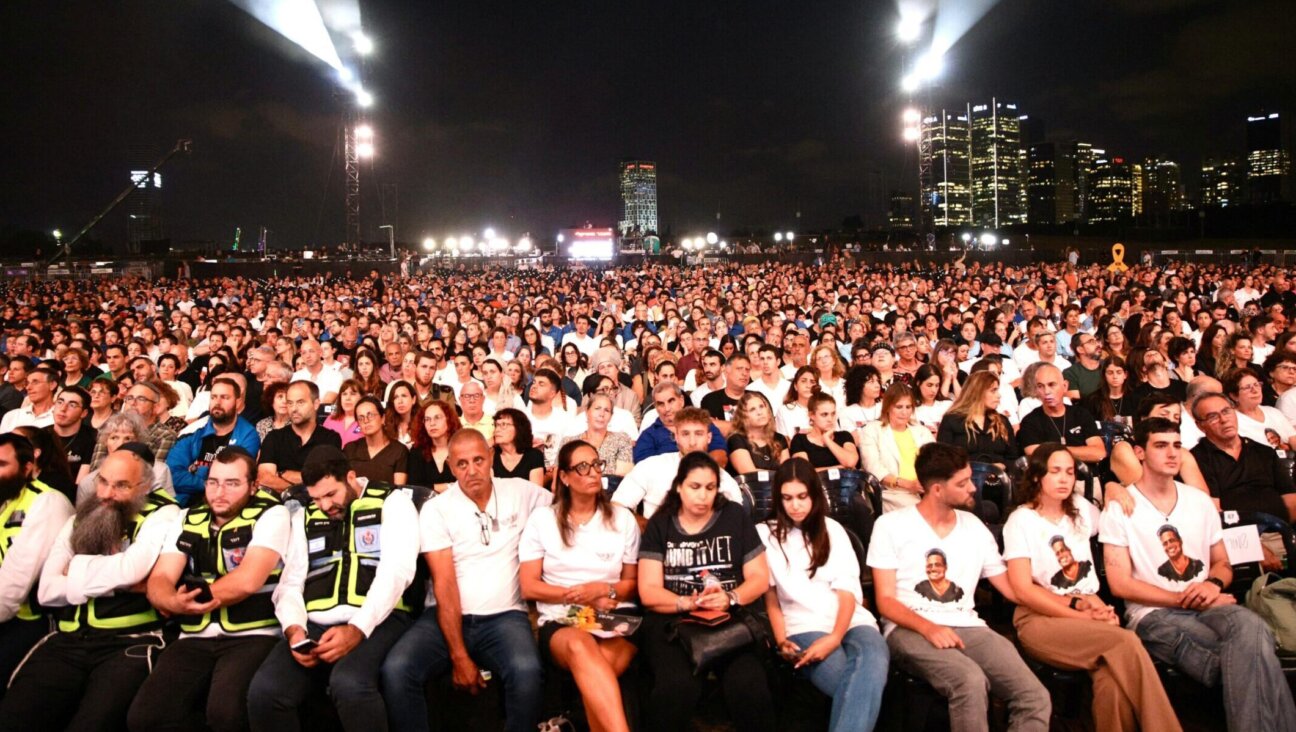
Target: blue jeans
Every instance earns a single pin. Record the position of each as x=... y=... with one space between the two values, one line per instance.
x=854 y=676
x=1228 y=644
x=502 y=644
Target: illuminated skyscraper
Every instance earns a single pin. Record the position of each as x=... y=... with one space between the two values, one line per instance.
x=1163 y=191
x=1268 y=158
x=1051 y=184
x=1222 y=183
x=1112 y=191
x=1086 y=163
x=998 y=165
x=947 y=186
x=638 y=197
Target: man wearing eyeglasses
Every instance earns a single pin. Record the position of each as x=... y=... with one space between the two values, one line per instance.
x=1243 y=475
x=472 y=399
x=194 y=453
x=75 y=435
x=341 y=596
x=39 y=411
x=145 y=399
x=234 y=544
x=475 y=618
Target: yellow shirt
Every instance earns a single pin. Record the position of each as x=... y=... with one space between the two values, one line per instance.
x=908 y=454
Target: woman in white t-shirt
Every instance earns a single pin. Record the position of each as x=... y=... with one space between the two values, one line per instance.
x=793 y=416
x=1061 y=620
x=582 y=552
x=1265 y=425
x=814 y=600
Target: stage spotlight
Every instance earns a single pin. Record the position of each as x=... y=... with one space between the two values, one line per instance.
x=363 y=44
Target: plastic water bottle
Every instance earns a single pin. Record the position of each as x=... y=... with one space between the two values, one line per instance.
x=710 y=581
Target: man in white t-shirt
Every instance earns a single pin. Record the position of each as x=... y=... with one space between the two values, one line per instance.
x=1168 y=561
x=585 y=343
x=313 y=370
x=475 y=618
x=926 y=563
x=769 y=380
x=650 y=479
x=549 y=422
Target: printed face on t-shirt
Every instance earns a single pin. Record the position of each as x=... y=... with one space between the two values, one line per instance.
x=1178 y=565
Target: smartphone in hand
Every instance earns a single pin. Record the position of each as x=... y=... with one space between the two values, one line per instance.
x=305 y=645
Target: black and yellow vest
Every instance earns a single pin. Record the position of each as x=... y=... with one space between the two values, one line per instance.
x=214 y=553
x=344 y=554
x=11 y=520
x=121 y=612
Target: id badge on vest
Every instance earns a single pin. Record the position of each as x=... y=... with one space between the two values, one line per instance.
x=368 y=539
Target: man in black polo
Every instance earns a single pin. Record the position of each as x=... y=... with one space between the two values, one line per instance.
x=284 y=449
x=1242 y=474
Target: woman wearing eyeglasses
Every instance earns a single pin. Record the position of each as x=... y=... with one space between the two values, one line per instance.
x=582 y=552
x=429 y=458
x=1265 y=425
x=515 y=456
x=378 y=457
x=102 y=393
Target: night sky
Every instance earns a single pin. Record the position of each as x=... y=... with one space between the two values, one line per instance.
x=516 y=114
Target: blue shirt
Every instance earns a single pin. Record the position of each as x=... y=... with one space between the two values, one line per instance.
x=657 y=440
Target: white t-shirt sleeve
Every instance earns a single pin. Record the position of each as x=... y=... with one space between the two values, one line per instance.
x=272 y=531
x=633 y=488
x=531 y=546
x=994 y=564
x=434 y=534
x=881 y=552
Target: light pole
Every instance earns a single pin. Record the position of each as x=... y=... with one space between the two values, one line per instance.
x=58 y=240
x=391 y=239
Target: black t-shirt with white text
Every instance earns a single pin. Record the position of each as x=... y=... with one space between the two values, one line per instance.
x=721 y=548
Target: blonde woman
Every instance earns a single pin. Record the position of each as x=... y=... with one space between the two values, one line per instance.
x=830 y=369
x=890 y=448
x=974 y=423
x=754 y=443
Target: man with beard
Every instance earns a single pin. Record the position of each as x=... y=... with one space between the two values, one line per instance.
x=85 y=675
x=31 y=515
x=193 y=454
x=340 y=597
x=281 y=454
x=919 y=555
x=235 y=543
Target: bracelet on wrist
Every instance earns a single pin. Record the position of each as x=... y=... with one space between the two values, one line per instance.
x=1217 y=582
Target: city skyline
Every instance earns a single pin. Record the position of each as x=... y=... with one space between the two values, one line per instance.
x=757 y=115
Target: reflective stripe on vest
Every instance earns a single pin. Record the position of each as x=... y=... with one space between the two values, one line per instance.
x=11 y=520
x=125 y=611
x=344 y=555
x=212 y=560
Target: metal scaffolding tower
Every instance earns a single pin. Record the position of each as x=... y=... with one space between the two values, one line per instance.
x=352 y=180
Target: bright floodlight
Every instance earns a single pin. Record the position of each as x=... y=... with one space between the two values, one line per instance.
x=988 y=239
x=345 y=75
x=966 y=237
x=909 y=28
x=364 y=132
x=561 y=238
x=524 y=244
x=364 y=149
x=363 y=44
x=788 y=236
x=58 y=233
x=687 y=243
x=429 y=244
x=300 y=21
x=451 y=243
x=911 y=134
x=929 y=65
x=364 y=98
x=910 y=83
x=778 y=236
x=712 y=238
x=489 y=233
x=912 y=116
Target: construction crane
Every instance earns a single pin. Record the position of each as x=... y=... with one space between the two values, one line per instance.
x=181 y=146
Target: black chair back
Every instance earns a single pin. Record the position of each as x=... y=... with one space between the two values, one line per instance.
x=758 y=489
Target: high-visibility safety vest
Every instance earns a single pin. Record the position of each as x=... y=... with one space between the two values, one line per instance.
x=213 y=553
x=344 y=554
x=11 y=520
x=121 y=612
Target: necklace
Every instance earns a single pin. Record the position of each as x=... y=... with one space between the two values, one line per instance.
x=1061 y=432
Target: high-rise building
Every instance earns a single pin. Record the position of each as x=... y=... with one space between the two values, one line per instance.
x=1112 y=191
x=1051 y=184
x=945 y=145
x=901 y=214
x=1085 y=162
x=998 y=165
x=638 y=197
x=1222 y=183
x=1268 y=158
x=1162 y=190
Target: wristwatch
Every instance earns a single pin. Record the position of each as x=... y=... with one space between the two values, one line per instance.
x=733 y=598
x=1075 y=600
x=1216 y=581
x=612 y=593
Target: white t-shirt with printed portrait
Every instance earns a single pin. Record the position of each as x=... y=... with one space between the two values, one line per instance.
x=936 y=576
x=597 y=553
x=1028 y=535
x=1148 y=534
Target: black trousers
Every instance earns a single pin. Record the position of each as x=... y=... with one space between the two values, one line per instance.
x=79 y=681
x=219 y=669
x=676 y=690
x=16 y=640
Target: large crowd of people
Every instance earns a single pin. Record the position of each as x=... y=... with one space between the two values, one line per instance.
x=221 y=497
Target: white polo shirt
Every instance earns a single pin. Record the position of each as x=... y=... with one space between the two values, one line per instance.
x=598 y=551
x=487 y=572
x=650 y=480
